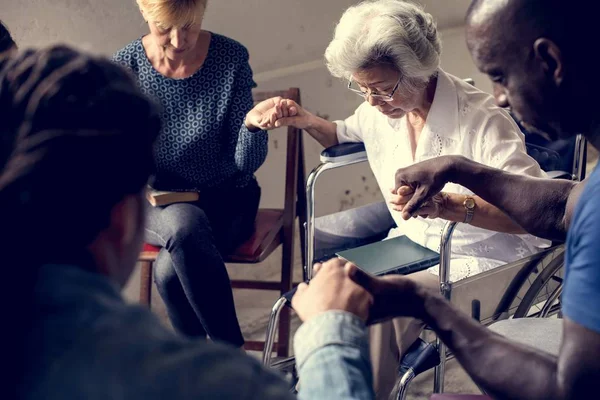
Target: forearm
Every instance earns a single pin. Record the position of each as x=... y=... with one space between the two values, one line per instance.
x=323 y=131
x=538 y=205
x=251 y=150
x=332 y=356
x=486 y=216
x=504 y=369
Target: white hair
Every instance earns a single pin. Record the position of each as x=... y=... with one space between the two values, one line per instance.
x=389 y=32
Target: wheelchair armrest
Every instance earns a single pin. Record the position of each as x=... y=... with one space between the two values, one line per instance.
x=559 y=175
x=344 y=152
x=420 y=356
x=288 y=296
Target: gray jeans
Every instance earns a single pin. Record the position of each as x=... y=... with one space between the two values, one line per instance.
x=189 y=271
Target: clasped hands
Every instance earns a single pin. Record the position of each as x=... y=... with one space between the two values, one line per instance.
x=277 y=112
x=340 y=285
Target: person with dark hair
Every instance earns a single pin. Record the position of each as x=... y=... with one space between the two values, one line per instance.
x=7 y=44
x=76 y=153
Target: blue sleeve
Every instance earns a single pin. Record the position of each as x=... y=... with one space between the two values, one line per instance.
x=581 y=296
x=251 y=148
x=332 y=356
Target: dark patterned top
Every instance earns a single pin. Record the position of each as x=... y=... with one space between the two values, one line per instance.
x=204 y=142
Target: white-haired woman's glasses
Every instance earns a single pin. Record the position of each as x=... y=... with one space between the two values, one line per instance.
x=364 y=92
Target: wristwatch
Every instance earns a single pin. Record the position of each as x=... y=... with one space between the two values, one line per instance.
x=469 y=205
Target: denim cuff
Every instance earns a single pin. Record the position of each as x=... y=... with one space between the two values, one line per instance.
x=329 y=329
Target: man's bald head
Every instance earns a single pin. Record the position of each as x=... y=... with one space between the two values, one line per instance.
x=520 y=22
x=537 y=53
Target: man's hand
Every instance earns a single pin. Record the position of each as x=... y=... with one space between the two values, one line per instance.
x=332 y=289
x=393 y=295
x=426 y=179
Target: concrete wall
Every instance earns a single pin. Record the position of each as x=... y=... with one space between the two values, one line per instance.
x=286 y=51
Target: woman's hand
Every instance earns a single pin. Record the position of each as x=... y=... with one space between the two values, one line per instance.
x=276 y=112
x=431 y=208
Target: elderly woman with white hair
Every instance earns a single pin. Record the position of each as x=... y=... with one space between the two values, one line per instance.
x=388 y=51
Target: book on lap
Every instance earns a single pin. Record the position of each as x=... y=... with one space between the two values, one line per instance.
x=398 y=255
x=162 y=198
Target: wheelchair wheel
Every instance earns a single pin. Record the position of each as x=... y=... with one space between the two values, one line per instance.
x=542 y=299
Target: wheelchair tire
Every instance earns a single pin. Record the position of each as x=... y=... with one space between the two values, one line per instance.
x=542 y=281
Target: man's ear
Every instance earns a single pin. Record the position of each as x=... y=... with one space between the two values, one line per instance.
x=127 y=218
x=550 y=56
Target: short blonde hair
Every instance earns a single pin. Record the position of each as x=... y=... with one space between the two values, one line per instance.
x=394 y=32
x=171 y=12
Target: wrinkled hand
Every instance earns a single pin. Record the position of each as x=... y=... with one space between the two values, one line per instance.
x=332 y=289
x=393 y=295
x=431 y=208
x=426 y=179
x=276 y=112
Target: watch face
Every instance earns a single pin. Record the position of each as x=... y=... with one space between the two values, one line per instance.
x=470 y=203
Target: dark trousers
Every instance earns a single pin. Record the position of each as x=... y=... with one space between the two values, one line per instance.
x=190 y=272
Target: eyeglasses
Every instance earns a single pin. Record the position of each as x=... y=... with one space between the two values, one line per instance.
x=368 y=92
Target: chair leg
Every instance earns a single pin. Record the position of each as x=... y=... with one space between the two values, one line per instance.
x=287 y=264
x=146 y=283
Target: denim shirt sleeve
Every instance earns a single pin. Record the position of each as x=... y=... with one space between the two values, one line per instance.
x=332 y=356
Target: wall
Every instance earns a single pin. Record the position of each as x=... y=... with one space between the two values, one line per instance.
x=286 y=40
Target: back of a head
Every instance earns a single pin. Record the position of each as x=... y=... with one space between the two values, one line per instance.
x=395 y=32
x=76 y=138
x=6 y=40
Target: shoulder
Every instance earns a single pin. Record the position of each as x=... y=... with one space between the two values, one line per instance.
x=129 y=55
x=582 y=273
x=227 y=46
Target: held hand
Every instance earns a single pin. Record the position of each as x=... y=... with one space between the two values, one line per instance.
x=426 y=179
x=393 y=295
x=431 y=208
x=276 y=112
x=332 y=289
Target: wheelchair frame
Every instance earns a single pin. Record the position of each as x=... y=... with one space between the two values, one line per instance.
x=335 y=157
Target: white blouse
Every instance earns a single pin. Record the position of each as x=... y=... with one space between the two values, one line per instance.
x=462 y=121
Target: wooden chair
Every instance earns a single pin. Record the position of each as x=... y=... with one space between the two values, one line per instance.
x=274 y=227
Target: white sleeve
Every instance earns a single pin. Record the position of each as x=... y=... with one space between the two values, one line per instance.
x=503 y=147
x=349 y=130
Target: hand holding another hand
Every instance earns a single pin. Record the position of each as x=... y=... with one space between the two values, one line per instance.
x=431 y=208
x=277 y=112
x=426 y=179
x=332 y=289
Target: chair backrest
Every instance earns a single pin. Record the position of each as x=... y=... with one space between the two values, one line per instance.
x=294 y=170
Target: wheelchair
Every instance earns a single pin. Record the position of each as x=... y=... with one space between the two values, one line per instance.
x=529 y=287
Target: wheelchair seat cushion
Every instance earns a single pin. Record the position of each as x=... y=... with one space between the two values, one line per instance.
x=542 y=333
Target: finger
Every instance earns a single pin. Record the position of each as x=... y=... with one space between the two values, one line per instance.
x=293 y=111
x=414 y=203
x=289 y=121
x=301 y=288
x=360 y=277
x=279 y=109
x=285 y=109
x=405 y=190
x=316 y=268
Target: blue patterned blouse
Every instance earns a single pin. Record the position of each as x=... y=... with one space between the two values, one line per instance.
x=204 y=142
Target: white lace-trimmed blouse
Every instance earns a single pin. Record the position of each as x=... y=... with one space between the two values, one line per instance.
x=462 y=121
